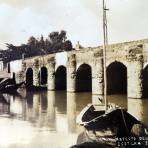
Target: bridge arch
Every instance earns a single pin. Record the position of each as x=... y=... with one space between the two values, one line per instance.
x=145 y=81
x=61 y=78
x=83 y=63
x=29 y=77
x=116 y=78
x=84 y=78
x=109 y=62
x=43 y=75
x=145 y=65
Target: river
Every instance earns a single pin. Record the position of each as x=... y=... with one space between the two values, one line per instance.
x=47 y=119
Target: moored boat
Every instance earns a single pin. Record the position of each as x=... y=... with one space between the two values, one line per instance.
x=9 y=85
x=114 y=122
x=104 y=127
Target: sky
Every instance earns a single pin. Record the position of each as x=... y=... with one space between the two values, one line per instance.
x=82 y=19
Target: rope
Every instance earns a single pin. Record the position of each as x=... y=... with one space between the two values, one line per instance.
x=124 y=121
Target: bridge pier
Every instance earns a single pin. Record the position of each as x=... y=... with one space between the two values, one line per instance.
x=97 y=77
x=23 y=71
x=135 y=86
x=132 y=55
x=36 y=79
x=51 y=74
x=71 y=74
x=71 y=112
x=19 y=77
x=97 y=80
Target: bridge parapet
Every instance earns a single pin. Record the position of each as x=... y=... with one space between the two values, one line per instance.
x=127 y=44
x=51 y=72
x=133 y=55
x=71 y=72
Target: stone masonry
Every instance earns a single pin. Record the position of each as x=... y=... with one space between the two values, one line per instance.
x=133 y=55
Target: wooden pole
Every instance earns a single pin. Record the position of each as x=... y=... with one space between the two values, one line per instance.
x=104 y=53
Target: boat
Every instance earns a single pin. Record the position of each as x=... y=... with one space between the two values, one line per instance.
x=8 y=85
x=102 y=127
x=12 y=87
x=3 y=100
x=36 y=88
x=115 y=122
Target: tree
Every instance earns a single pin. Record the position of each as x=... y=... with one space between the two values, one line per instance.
x=67 y=45
x=32 y=41
x=56 y=41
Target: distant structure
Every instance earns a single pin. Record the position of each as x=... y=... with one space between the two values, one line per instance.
x=78 y=46
x=4 y=69
x=1 y=65
x=82 y=70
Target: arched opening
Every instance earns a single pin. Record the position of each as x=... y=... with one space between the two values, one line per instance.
x=43 y=96
x=145 y=82
x=13 y=75
x=116 y=78
x=29 y=98
x=9 y=68
x=43 y=76
x=29 y=77
x=84 y=78
x=60 y=78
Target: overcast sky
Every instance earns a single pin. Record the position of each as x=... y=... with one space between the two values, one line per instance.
x=82 y=19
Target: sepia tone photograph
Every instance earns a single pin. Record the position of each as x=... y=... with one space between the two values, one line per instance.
x=73 y=74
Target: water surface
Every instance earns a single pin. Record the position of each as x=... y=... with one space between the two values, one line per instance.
x=47 y=119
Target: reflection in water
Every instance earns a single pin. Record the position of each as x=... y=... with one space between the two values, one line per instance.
x=61 y=109
x=60 y=101
x=82 y=99
x=118 y=100
x=138 y=108
x=18 y=107
x=42 y=109
x=4 y=108
x=34 y=112
x=4 y=104
x=49 y=117
x=51 y=111
x=113 y=100
x=97 y=99
x=71 y=111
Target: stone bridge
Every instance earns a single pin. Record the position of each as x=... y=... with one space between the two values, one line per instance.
x=82 y=69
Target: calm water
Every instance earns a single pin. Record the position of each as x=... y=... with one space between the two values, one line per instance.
x=47 y=119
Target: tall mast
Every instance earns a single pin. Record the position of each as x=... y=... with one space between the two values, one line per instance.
x=104 y=52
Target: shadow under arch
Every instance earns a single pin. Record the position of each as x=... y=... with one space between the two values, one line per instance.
x=84 y=78
x=29 y=77
x=61 y=78
x=43 y=75
x=145 y=82
x=116 y=78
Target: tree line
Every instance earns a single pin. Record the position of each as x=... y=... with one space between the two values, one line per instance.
x=55 y=42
